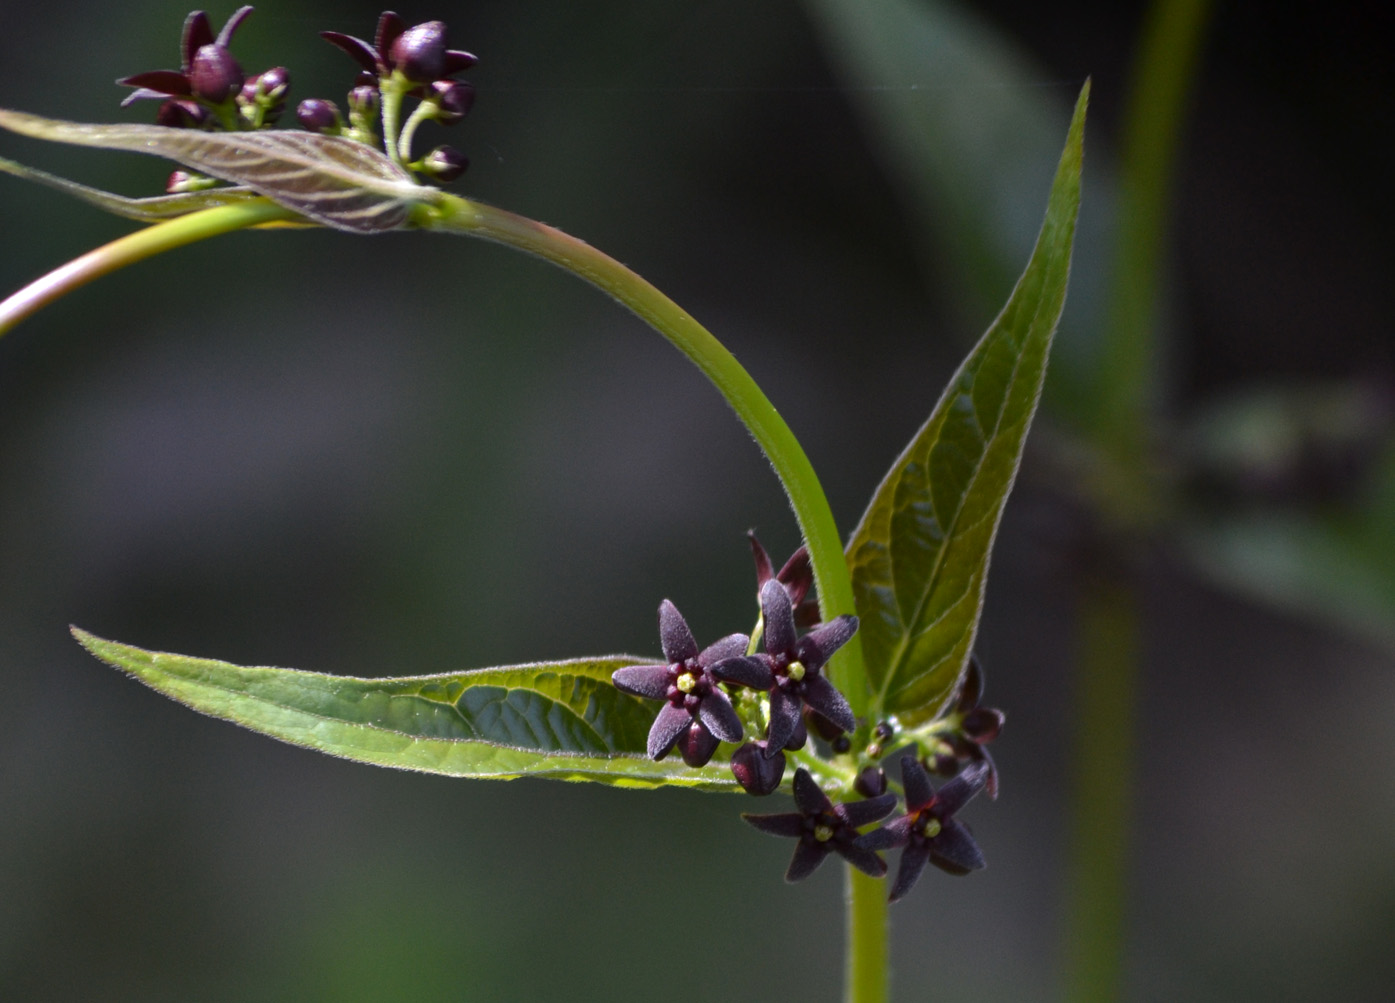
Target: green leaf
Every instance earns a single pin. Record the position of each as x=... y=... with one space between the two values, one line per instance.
x=147 y=210
x=919 y=558
x=332 y=180
x=557 y=719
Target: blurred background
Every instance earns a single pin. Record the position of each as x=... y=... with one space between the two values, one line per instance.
x=411 y=454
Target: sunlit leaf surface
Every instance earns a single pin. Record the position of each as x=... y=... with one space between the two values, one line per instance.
x=558 y=719
x=919 y=557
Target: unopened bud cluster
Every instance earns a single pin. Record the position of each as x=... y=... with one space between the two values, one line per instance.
x=211 y=91
x=716 y=694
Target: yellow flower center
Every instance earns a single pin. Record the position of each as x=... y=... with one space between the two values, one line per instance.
x=823 y=833
x=931 y=828
x=686 y=682
x=796 y=671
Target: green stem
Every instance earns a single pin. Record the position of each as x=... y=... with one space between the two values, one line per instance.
x=1103 y=754
x=133 y=247
x=868 y=955
x=450 y=213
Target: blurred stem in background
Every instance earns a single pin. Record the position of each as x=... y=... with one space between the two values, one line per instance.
x=1126 y=498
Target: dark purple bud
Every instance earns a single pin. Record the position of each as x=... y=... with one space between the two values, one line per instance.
x=215 y=75
x=757 y=774
x=183 y=181
x=318 y=115
x=883 y=732
x=871 y=782
x=982 y=724
x=842 y=744
x=458 y=61
x=453 y=100
x=943 y=764
x=177 y=114
x=697 y=745
x=273 y=84
x=419 y=53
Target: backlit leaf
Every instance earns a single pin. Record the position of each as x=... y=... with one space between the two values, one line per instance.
x=557 y=719
x=919 y=558
x=335 y=181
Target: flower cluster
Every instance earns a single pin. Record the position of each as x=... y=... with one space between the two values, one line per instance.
x=210 y=91
x=713 y=695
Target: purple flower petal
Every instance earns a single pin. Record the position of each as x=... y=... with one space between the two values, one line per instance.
x=971 y=692
x=784 y=824
x=359 y=50
x=807 y=857
x=764 y=570
x=746 y=671
x=860 y=813
x=809 y=797
x=817 y=647
x=728 y=647
x=956 y=793
x=671 y=722
x=233 y=23
x=824 y=697
x=165 y=83
x=196 y=34
x=716 y=712
x=642 y=680
x=780 y=634
x=784 y=718
x=916 y=781
x=913 y=861
x=458 y=61
x=956 y=846
x=674 y=635
x=390 y=26
x=797 y=575
x=864 y=860
x=894 y=834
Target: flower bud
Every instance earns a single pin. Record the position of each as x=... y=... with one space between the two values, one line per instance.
x=756 y=774
x=185 y=181
x=419 y=53
x=697 y=745
x=318 y=115
x=363 y=101
x=453 y=100
x=982 y=724
x=214 y=74
x=871 y=782
x=445 y=163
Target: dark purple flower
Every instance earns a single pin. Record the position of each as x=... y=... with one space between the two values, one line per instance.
x=823 y=827
x=796 y=663
x=207 y=69
x=974 y=727
x=419 y=52
x=929 y=831
x=693 y=698
x=445 y=163
x=797 y=576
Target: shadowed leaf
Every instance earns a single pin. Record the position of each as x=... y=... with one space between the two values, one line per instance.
x=332 y=180
x=558 y=719
x=919 y=558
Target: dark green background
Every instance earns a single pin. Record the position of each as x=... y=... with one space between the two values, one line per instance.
x=411 y=454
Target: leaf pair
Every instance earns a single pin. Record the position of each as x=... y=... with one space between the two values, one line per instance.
x=919 y=558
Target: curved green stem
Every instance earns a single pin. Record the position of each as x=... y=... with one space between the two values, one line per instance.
x=453 y=214
x=134 y=247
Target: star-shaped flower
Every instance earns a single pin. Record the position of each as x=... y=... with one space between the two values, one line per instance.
x=929 y=831
x=823 y=828
x=976 y=727
x=796 y=663
x=207 y=69
x=696 y=708
x=419 y=52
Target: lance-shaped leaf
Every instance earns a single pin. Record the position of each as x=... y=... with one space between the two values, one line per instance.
x=557 y=719
x=334 y=181
x=919 y=558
